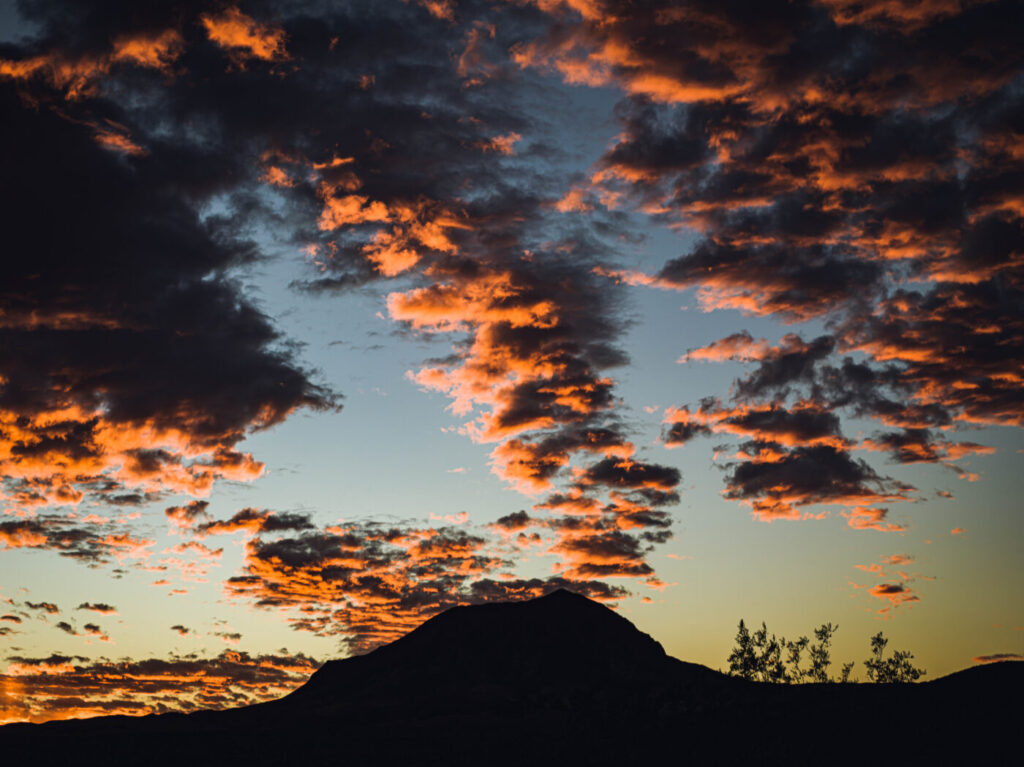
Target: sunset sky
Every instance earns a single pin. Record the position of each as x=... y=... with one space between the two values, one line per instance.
x=321 y=317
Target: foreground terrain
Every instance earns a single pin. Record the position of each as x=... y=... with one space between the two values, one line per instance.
x=555 y=680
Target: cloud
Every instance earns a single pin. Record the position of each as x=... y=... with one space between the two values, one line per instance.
x=625 y=473
x=60 y=687
x=99 y=607
x=998 y=657
x=21 y=534
x=894 y=587
x=488 y=590
x=736 y=347
x=185 y=517
x=514 y=522
x=367 y=173
x=244 y=37
x=77 y=75
x=849 y=165
x=79 y=422
x=793 y=361
x=898 y=559
x=682 y=427
x=48 y=607
x=94 y=542
x=805 y=424
x=840 y=161
x=93 y=629
x=607 y=553
x=532 y=465
x=775 y=481
x=924 y=446
x=255 y=521
x=369 y=583
x=897 y=594
x=871 y=518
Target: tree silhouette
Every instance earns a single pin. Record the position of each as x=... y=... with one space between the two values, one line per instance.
x=821 y=656
x=796 y=651
x=757 y=657
x=896 y=669
x=741 y=661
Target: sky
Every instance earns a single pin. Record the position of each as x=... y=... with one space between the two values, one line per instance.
x=320 y=318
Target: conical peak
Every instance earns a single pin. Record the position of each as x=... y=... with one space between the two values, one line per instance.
x=559 y=638
x=561 y=624
x=562 y=594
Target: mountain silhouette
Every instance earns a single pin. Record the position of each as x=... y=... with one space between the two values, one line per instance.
x=558 y=645
x=557 y=680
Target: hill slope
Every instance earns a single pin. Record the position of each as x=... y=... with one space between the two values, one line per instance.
x=556 y=680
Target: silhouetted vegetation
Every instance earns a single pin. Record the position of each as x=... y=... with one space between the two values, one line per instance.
x=758 y=657
x=897 y=668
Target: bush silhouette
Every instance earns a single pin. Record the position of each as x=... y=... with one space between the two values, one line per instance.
x=896 y=669
x=758 y=657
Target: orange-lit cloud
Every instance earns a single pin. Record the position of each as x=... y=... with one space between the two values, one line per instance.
x=408 y=231
x=897 y=594
x=115 y=137
x=801 y=218
x=998 y=657
x=739 y=347
x=502 y=144
x=524 y=371
x=244 y=37
x=906 y=15
x=805 y=424
x=255 y=521
x=47 y=607
x=871 y=518
x=48 y=457
x=62 y=687
x=86 y=542
x=848 y=163
x=186 y=517
x=532 y=465
x=894 y=587
x=98 y=607
x=439 y=9
x=78 y=76
x=369 y=583
x=776 y=483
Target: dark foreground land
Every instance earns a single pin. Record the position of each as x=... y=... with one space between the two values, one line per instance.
x=563 y=681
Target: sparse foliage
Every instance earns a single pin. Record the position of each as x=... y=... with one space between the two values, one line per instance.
x=741 y=660
x=895 y=669
x=796 y=651
x=844 y=674
x=821 y=656
x=758 y=657
x=768 y=651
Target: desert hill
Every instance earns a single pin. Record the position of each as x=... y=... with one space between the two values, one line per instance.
x=557 y=680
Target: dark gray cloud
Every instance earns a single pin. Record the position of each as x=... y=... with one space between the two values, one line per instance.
x=844 y=163
x=60 y=686
x=379 y=148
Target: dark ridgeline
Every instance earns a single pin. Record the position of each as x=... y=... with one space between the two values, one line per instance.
x=558 y=680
